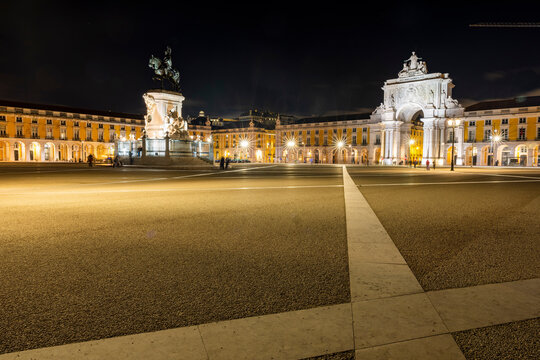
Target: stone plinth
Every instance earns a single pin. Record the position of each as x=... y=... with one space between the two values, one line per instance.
x=162 y=106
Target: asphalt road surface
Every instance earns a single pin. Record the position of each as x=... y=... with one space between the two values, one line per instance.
x=465 y=228
x=95 y=253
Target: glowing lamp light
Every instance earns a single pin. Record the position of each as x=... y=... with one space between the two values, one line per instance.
x=340 y=144
x=291 y=143
x=244 y=143
x=496 y=138
x=411 y=142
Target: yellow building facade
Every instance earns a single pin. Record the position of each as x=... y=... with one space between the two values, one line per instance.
x=244 y=141
x=33 y=132
x=493 y=133
x=342 y=139
x=505 y=132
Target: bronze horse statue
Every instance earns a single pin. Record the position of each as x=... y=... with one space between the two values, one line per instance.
x=163 y=70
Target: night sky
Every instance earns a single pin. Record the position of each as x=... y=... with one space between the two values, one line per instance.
x=302 y=61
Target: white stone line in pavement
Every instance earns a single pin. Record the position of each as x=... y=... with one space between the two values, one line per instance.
x=453 y=183
x=289 y=335
x=178 y=344
x=440 y=347
x=376 y=267
x=509 y=175
x=182 y=176
x=172 y=190
x=390 y=307
x=388 y=303
x=486 y=305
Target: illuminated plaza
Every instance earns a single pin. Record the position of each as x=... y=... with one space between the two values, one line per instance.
x=253 y=183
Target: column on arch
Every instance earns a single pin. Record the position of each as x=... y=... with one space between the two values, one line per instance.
x=383 y=145
x=397 y=142
x=427 y=151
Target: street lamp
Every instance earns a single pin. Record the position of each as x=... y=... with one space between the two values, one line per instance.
x=495 y=138
x=453 y=124
x=291 y=146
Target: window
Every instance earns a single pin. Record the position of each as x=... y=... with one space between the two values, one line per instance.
x=63 y=133
x=49 y=132
x=364 y=130
x=522 y=135
x=504 y=122
x=450 y=136
x=34 y=131
x=63 y=123
x=504 y=134
x=34 y=121
x=317 y=131
x=334 y=131
x=3 y=118
x=472 y=135
x=487 y=135
x=19 y=119
x=472 y=123
x=522 y=120
x=88 y=124
x=488 y=122
x=75 y=123
x=49 y=122
x=19 y=131
x=308 y=141
x=354 y=139
x=325 y=141
x=378 y=139
x=100 y=126
x=364 y=140
x=76 y=134
x=2 y=130
x=354 y=130
x=538 y=133
x=537 y=119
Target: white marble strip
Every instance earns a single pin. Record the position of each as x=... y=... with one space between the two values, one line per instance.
x=388 y=304
x=376 y=268
x=289 y=335
x=453 y=183
x=440 y=347
x=486 y=305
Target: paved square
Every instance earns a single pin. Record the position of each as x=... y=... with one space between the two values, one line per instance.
x=97 y=253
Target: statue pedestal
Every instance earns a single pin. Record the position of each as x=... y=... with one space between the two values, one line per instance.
x=159 y=104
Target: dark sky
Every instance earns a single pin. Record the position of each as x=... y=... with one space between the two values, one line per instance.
x=304 y=61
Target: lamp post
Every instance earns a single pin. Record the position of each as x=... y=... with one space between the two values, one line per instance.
x=244 y=144
x=453 y=124
x=494 y=140
x=340 y=145
x=291 y=145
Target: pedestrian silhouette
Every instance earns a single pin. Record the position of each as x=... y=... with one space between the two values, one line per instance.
x=222 y=163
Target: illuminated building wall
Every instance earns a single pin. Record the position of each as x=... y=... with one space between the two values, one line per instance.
x=32 y=132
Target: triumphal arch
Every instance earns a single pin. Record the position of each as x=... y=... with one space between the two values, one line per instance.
x=417 y=97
